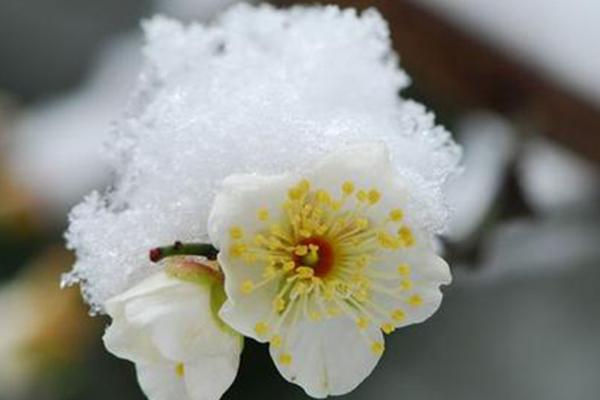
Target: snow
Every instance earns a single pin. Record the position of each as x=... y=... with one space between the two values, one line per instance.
x=259 y=90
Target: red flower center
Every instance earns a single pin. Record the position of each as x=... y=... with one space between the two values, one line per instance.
x=320 y=256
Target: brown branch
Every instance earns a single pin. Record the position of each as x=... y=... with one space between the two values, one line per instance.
x=458 y=72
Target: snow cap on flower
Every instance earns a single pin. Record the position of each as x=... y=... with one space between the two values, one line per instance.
x=262 y=91
x=320 y=263
x=169 y=328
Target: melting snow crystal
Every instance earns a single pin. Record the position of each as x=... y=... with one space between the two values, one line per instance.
x=260 y=90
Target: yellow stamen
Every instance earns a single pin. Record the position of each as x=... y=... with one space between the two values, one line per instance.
x=374 y=196
x=235 y=232
x=398 y=315
x=362 y=323
x=261 y=328
x=279 y=304
x=285 y=359
x=237 y=249
x=396 y=215
x=247 y=287
x=377 y=348
x=348 y=187
x=276 y=341
x=406 y=284
x=180 y=370
x=404 y=269
x=263 y=214
x=387 y=328
x=415 y=300
x=406 y=236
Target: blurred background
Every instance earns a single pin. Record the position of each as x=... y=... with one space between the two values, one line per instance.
x=517 y=82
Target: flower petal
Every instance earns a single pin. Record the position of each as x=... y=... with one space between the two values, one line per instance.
x=330 y=357
x=242 y=196
x=209 y=377
x=162 y=382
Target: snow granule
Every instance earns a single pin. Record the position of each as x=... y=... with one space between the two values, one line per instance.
x=259 y=90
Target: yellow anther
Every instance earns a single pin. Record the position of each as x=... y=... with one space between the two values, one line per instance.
x=406 y=284
x=180 y=370
x=305 y=272
x=261 y=328
x=374 y=196
x=301 y=250
x=415 y=300
x=396 y=214
x=247 y=287
x=285 y=359
x=377 y=348
x=387 y=241
x=406 y=236
x=398 y=315
x=362 y=323
x=387 y=328
x=276 y=341
x=362 y=223
x=305 y=233
x=362 y=196
x=236 y=232
x=279 y=304
x=323 y=196
x=289 y=266
x=348 y=187
x=295 y=193
x=304 y=185
x=263 y=214
x=404 y=269
x=237 y=249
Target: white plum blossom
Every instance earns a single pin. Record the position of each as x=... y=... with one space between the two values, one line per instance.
x=167 y=325
x=230 y=122
x=320 y=263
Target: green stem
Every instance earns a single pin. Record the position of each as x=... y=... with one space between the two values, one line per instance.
x=184 y=249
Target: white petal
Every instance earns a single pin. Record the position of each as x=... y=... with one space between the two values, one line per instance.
x=150 y=285
x=238 y=203
x=128 y=337
x=166 y=318
x=367 y=164
x=427 y=273
x=130 y=342
x=161 y=382
x=330 y=357
x=209 y=377
x=239 y=200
